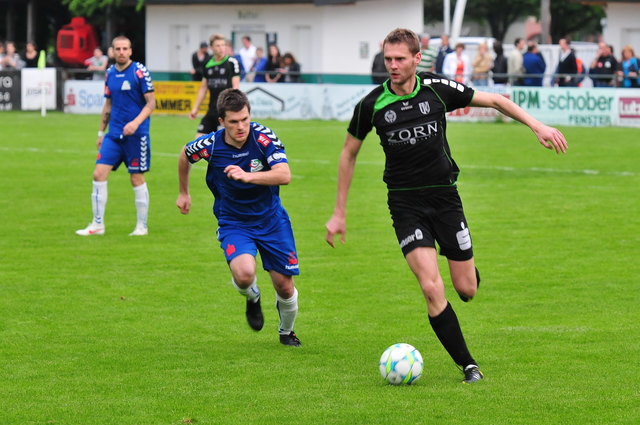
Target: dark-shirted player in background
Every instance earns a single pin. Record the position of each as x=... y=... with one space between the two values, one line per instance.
x=246 y=166
x=128 y=105
x=220 y=72
x=408 y=112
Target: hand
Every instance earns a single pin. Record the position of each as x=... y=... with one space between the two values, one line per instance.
x=336 y=225
x=99 y=142
x=193 y=113
x=129 y=128
x=551 y=138
x=236 y=173
x=184 y=203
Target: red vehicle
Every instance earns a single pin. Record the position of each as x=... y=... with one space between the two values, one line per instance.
x=76 y=42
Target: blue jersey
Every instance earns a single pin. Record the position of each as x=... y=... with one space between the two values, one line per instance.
x=126 y=90
x=237 y=202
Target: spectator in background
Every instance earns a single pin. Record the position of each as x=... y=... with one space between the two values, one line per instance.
x=603 y=67
x=628 y=68
x=247 y=53
x=290 y=69
x=378 y=70
x=11 y=60
x=499 y=69
x=243 y=71
x=567 y=66
x=97 y=63
x=198 y=59
x=443 y=51
x=274 y=63
x=534 y=66
x=456 y=65
x=515 y=69
x=111 y=57
x=2 y=53
x=429 y=56
x=259 y=67
x=482 y=64
x=31 y=55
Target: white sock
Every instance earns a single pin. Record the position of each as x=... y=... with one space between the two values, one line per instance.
x=142 y=204
x=252 y=292
x=99 y=201
x=287 y=310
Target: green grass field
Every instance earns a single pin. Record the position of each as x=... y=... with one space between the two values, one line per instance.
x=121 y=330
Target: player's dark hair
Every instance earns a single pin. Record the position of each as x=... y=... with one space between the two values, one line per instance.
x=403 y=35
x=232 y=100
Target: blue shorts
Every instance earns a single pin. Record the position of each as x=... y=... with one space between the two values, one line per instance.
x=134 y=151
x=274 y=240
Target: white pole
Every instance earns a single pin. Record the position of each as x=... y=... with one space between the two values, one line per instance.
x=447 y=16
x=458 y=16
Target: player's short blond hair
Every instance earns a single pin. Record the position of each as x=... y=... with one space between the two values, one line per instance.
x=216 y=37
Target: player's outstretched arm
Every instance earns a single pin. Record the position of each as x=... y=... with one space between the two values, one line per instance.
x=184 y=168
x=337 y=222
x=549 y=137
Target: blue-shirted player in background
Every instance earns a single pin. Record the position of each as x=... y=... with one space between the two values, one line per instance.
x=129 y=102
x=247 y=164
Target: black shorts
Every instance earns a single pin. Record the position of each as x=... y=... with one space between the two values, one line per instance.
x=426 y=216
x=209 y=122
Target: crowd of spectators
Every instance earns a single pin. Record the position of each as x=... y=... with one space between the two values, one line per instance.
x=524 y=66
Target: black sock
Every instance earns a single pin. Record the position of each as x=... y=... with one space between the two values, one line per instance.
x=447 y=329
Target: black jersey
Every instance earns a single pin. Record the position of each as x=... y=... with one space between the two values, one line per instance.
x=219 y=76
x=412 y=130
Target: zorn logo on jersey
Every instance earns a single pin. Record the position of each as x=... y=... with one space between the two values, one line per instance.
x=412 y=135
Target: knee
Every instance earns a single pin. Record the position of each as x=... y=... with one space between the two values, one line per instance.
x=284 y=286
x=432 y=288
x=466 y=285
x=244 y=277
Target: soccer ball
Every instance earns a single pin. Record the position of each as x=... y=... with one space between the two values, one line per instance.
x=401 y=364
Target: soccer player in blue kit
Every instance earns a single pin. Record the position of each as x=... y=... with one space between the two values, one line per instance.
x=408 y=112
x=129 y=103
x=246 y=165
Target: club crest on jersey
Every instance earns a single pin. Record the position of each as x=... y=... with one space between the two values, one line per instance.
x=125 y=85
x=425 y=108
x=264 y=140
x=256 y=165
x=390 y=116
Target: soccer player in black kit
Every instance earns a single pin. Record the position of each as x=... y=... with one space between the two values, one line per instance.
x=408 y=112
x=220 y=72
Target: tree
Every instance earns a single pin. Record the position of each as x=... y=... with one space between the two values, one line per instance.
x=567 y=17
x=499 y=14
x=88 y=7
x=574 y=20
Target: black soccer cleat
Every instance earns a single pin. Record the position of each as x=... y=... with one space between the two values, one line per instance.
x=472 y=374
x=290 y=339
x=254 y=315
x=464 y=297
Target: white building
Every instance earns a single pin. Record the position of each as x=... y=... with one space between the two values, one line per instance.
x=325 y=36
x=623 y=25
